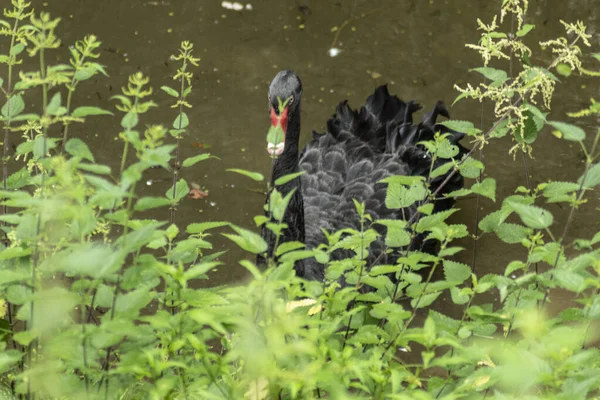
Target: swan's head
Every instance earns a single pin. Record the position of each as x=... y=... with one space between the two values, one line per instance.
x=285 y=92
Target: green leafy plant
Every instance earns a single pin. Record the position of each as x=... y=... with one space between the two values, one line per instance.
x=97 y=299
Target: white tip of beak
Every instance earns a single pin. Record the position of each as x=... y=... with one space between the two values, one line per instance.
x=275 y=150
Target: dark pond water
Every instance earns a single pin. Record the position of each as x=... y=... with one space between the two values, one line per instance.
x=415 y=46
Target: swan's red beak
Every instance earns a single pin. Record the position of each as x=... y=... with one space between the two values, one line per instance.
x=276 y=145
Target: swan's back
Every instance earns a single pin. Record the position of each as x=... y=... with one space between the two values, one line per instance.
x=359 y=149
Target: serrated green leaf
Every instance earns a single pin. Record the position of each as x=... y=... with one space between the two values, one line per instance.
x=514 y=266
x=95 y=168
x=288 y=246
x=54 y=104
x=441 y=170
x=181 y=121
x=204 y=226
x=147 y=203
x=592 y=178
x=456 y=272
x=17 y=49
x=130 y=120
x=512 y=233
x=492 y=221
x=286 y=178
x=13 y=107
x=19 y=179
x=564 y=69
x=8 y=358
x=492 y=74
x=247 y=240
x=170 y=91
x=77 y=148
x=532 y=216
x=465 y=127
x=525 y=30
x=181 y=190
x=87 y=110
x=199 y=270
x=570 y=280
x=396 y=235
x=252 y=175
x=487 y=188
x=471 y=168
x=432 y=221
x=568 y=131
x=425 y=300
x=400 y=196
x=188 y=162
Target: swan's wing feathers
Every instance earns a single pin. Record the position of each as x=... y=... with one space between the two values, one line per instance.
x=357 y=152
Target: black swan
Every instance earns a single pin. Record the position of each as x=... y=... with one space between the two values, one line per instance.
x=358 y=150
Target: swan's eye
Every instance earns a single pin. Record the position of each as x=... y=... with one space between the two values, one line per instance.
x=291 y=100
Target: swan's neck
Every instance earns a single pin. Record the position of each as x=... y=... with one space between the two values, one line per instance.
x=285 y=164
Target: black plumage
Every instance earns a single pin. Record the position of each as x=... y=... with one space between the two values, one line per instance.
x=359 y=149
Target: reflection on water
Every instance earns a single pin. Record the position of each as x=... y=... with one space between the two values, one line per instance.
x=415 y=46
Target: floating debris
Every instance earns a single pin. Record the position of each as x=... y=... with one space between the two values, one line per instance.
x=197 y=194
x=334 y=51
x=235 y=6
x=196 y=191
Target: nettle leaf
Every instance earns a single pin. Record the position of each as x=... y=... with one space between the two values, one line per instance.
x=532 y=216
x=181 y=189
x=130 y=120
x=568 y=131
x=424 y=300
x=465 y=127
x=19 y=179
x=252 y=175
x=130 y=304
x=94 y=260
x=570 y=280
x=391 y=311
x=87 y=110
x=147 y=203
x=501 y=129
x=497 y=76
x=441 y=170
x=456 y=272
x=525 y=30
x=181 y=121
x=471 y=168
x=204 y=226
x=557 y=190
x=95 y=168
x=13 y=107
x=492 y=221
x=445 y=149
x=54 y=104
x=533 y=126
x=487 y=188
x=188 y=162
x=8 y=358
x=77 y=148
x=288 y=246
x=400 y=196
x=286 y=178
x=564 y=69
x=199 y=270
x=247 y=240
x=396 y=235
x=432 y=221
x=170 y=91
x=592 y=178
x=512 y=233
